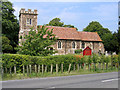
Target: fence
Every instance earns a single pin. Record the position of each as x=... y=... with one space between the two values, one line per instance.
x=15 y=63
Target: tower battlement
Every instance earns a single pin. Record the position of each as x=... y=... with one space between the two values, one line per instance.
x=29 y=11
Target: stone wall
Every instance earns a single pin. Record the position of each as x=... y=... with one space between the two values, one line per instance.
x=67 y=46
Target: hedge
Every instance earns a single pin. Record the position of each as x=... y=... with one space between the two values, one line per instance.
x=11 y=60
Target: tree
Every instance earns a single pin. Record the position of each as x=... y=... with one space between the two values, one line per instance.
x=6 y=47
x=10 y=25
x=57 y=22
x=119 y=39
x=95 y=26
x=37 y=43
x=109 y=40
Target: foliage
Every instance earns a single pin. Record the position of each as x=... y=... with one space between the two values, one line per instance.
x=6 y=47
x=78 y=51
x=95 y=26
x=10 y=26
x=109 y=40
x=57 y=22
x=94 y=58
x=118 y=40
x=10 y=60
x=37 y=43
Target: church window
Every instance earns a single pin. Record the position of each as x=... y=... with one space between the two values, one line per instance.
x=83 y=45
x=73 y=44
x=59 y=45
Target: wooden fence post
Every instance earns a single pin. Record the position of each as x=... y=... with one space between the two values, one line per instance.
x=15 y=69
x=51 y=68
x=23 y=70
x=38 y=68
x=62 y=68
x=42 y=68
x=69 y=68
x=35 y=68
x=78 y=67
x=6 y=69
x=74 y=67
x=30 y=68
x=10 y=71
x=106 y=66
x=27 y=70
x=103 y=66
x=56 y=68
x=89 y=67
x=99 y=66
x=84 y=66
x=45 y=68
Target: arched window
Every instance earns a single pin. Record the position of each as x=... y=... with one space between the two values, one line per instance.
x=59 y=44
x=73 y=44
x=83 y=45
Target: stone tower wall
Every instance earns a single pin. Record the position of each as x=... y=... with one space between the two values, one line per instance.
x=24 y=26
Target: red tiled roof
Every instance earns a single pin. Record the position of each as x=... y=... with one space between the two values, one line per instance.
x=72 y=33
x=89 y=36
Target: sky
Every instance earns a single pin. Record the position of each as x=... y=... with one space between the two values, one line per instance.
x=79 y=14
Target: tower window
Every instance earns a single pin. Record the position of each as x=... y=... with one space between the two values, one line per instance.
x=73 y=44
x=29 y=21
x=59 y=45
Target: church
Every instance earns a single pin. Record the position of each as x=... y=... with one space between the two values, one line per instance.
x=69 y=39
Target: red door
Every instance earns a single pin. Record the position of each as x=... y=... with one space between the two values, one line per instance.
x=87 y=51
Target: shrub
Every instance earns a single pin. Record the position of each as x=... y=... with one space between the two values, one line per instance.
x=78 y=51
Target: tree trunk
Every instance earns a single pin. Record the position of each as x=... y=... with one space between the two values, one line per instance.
x=69 y=68
x=42 y=68
x=51 y=68
x=56 y=68
x=78 y=67
x=30 y=68
x=15 y=69
x=45 y=68
x=38 y=68
x=23 y=70
x=74 y=67
x=61 y=68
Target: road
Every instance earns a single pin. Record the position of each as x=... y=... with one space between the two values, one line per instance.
x=100 y=80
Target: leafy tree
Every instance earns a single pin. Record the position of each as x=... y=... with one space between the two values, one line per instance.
x=110 y=40
x=6 y=47
x=95 y=26
x=37 y=43
x=57 y=22
x=10 y=26
x=119 y=39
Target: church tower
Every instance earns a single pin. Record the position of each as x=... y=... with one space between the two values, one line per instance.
x=27 y=20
